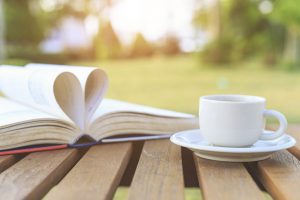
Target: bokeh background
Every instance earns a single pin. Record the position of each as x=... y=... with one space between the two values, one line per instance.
x=165 y=53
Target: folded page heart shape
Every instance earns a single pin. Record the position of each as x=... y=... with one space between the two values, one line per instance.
x=73 y=93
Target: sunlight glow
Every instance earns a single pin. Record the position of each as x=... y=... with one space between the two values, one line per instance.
x=153 y=18
x=91 y=25
x=48 y=5
x=265 y=7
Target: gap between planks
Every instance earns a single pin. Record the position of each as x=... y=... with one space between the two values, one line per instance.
x=96 y=176
x=34 y=175
x=280 y=175
x=9 y=160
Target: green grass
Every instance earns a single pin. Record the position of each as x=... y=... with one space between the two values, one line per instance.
x=190 y=193
x=176 y=83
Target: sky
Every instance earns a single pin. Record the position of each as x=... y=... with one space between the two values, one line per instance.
x=155 y=19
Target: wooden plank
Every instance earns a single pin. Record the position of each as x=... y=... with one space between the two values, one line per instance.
x=280 y=175
x=96 y=175
x=34 y=175
x=7 y=161
x=294 y=130
x=159 y=172
x=224 y=180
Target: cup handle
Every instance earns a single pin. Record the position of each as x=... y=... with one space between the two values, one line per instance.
x=270 y=135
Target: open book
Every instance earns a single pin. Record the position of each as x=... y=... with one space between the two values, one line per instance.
x=55 y=104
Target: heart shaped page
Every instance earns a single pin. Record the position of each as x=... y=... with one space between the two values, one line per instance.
x=93 y=80
x=95 y=88
x=55 y=92
x=68 y=94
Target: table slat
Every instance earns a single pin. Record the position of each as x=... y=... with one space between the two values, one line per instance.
x=96 y=175
x=280 y=175
x=224 y=180
x=294 y=130
x=159 y=172
x=7 y=161
x=34 y=175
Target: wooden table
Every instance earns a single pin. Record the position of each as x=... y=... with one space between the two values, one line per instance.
x=153 y=169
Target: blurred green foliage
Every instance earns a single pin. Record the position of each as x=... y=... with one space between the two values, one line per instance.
x=28 y=24
x=252 y=28
x=22 y=26
x=238 y=31
x=107 y=43
x=287 y=13
x=23 y=30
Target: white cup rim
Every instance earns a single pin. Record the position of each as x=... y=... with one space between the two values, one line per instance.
x=232 y=99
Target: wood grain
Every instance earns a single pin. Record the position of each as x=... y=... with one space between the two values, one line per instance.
x=96 y=175
x=280 y=175
x=7 y=161
x=224 y=180
x=35 y=174
x=294 y=130
x=159 y=173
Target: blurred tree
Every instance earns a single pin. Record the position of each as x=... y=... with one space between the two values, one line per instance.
x=22 y=26
x=107 y=42
x=241 y=30
x=2 y=32
x=24 y=29
x=209 y=17
x=248 y=27
x=170 y=45
x=288 y=13
x=28 y=22
x=214 y=19
x=141 y=47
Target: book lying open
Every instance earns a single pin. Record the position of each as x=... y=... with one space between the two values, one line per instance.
x=55 y=104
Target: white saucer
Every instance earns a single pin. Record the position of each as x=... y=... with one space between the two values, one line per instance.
x=260 y=150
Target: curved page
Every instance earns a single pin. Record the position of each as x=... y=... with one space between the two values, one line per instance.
x=114 y=106
x=111 y=106
x=93 y=80
x=54 y=92
x=12 y=113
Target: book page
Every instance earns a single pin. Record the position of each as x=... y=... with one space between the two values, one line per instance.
x=93 y=80
x=57 y=93
x=112 y=106
x=12 y=112
x=22 y=125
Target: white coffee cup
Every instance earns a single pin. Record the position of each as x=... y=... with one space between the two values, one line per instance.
x=237 y=120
